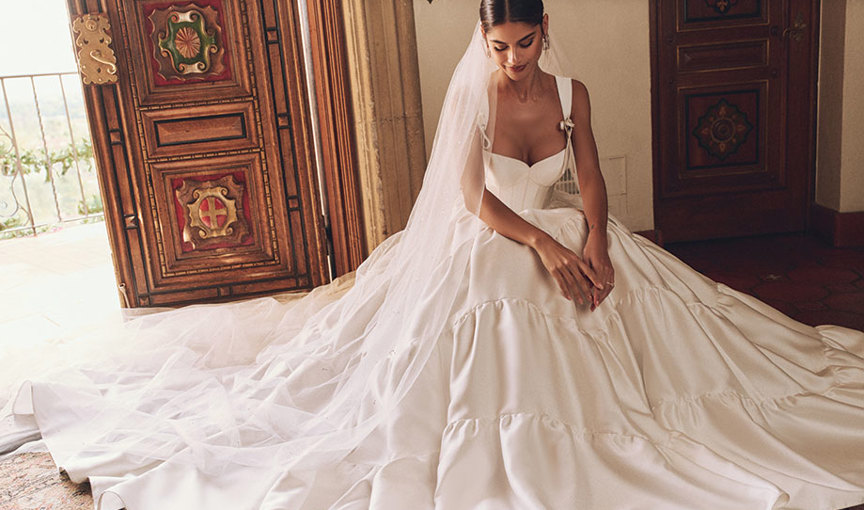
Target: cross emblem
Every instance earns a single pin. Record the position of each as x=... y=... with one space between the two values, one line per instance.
x=212 y=213
x=212 y=210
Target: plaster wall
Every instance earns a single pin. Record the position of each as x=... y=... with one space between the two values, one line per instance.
x=829 y=139
x=840 y=153
x=852 y=162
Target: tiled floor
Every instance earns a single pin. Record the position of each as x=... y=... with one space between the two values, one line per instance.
x=799 y=275
x=55 y=281
x=52 y=288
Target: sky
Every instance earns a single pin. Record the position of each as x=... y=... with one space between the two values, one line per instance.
x=35 y=37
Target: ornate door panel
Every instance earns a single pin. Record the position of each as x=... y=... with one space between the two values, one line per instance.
x=204 y=150
x=734 y=99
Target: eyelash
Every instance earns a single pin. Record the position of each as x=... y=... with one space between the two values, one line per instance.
x=526 y=45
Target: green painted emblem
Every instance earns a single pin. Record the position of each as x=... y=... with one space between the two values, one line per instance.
x=187 y=42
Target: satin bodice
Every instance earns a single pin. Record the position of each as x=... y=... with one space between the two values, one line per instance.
x=521 y=186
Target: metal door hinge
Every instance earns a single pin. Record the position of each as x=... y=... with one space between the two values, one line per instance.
x=124 y=295
x=328 y=239
x=97 y=63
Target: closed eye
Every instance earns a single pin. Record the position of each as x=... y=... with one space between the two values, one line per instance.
x=522 y=45
x=525 y=42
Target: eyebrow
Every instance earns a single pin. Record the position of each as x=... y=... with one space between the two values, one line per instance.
x=520 y=40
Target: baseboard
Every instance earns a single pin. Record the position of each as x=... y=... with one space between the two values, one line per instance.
x=655 y=236
x=838 y=229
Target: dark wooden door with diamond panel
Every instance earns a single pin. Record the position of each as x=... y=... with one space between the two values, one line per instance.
x=734 y=93
x=203 y=142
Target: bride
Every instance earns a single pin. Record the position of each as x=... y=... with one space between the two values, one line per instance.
x=512 y=348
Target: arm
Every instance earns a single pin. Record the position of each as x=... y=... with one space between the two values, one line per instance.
x=593 y=191
x=571 y=273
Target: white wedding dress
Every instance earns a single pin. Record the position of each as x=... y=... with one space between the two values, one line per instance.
x=677 y=393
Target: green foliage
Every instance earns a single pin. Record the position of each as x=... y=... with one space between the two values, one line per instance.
x=34 y=162
x=61 y=161
x=13 y=222
x=11 y=228
x=94 y=205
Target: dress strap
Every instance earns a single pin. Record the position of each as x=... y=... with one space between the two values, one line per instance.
x=482 y=124
x=565 y=93
x=568 y=182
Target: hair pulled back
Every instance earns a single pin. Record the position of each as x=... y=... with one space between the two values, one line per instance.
x=496 y=12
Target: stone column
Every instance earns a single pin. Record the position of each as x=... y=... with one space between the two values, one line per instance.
x=385 y=89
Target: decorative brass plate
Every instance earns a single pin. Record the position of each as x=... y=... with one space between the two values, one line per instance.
x=96 y=60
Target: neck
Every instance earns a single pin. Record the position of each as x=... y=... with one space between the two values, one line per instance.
x=527 y=88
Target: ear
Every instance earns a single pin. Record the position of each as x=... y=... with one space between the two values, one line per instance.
x=545 y=25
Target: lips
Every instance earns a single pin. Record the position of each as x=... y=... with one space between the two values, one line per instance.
x=518 y=69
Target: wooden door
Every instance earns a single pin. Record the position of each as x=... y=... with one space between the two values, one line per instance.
x=734 y=103
x=204 y=147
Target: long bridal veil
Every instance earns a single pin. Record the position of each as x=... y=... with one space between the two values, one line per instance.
x=301 y=384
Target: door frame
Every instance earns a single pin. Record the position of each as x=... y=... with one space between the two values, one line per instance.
x=656 y=45
x=346 y=230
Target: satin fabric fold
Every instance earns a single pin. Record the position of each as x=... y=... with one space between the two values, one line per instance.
x=676 y=393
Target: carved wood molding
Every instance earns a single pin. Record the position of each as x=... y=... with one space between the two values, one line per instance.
x=385 y=87
x=336 y=121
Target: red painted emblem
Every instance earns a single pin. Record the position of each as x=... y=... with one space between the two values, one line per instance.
x=213 y=212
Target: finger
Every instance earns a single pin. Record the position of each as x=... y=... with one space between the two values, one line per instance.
x=606 y=275
x=609 y=279
x=567 y=286
x=604 y=294
x=586 y=276
x=574 y=288
x=561 y=284
x=590 y=273
x=581 y=284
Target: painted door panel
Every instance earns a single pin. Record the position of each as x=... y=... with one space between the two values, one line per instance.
x=204 y=151
x=733 y=105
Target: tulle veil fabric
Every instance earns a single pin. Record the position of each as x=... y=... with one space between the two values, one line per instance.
x=219 y=385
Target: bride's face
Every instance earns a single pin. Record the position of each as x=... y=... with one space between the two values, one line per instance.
x=516 y=47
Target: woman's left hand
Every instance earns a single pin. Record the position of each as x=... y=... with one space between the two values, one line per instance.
x=596 y=254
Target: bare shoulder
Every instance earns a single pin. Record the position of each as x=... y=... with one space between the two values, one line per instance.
x=581 y=102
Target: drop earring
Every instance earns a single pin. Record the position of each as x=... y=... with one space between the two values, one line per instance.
x=545 y=42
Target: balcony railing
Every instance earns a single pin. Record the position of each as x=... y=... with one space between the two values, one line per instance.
x=47 y=171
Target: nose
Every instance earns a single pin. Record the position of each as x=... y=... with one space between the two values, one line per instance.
x=512 y=56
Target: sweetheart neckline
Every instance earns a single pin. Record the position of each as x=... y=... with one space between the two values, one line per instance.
x=526 y=164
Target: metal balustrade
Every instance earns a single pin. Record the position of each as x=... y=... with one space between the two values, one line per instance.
x=47 y=171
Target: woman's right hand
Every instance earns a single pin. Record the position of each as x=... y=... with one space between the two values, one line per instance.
x=574 y=276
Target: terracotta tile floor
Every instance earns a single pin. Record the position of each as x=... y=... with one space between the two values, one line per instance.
x=799 y=275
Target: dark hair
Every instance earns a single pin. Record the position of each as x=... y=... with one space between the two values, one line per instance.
x=495 y=12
